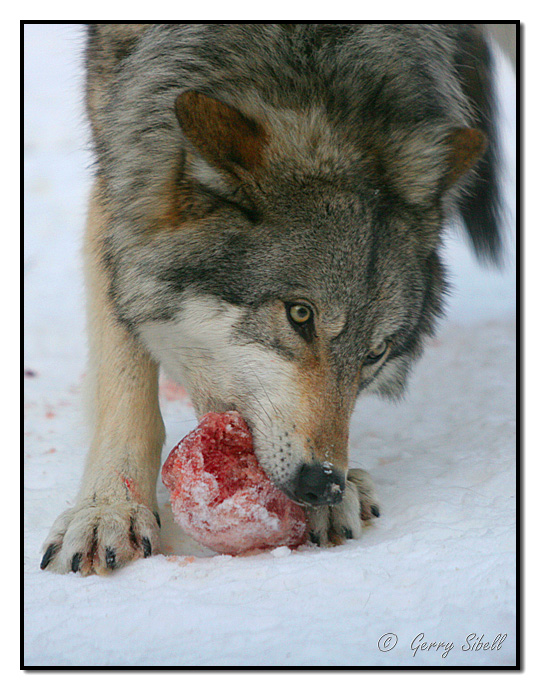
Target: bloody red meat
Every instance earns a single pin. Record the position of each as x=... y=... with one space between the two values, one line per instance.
x=221 y=496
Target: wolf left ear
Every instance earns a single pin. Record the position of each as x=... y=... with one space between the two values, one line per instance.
x=465 y=146
x=224 y=136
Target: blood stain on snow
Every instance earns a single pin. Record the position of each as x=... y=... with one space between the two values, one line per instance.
x=181 y=560
x=172 y=391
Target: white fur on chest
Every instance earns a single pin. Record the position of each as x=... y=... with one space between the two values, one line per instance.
x=195 y=342
x=199 y=350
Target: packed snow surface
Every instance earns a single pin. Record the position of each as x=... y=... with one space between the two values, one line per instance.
x=438 y=566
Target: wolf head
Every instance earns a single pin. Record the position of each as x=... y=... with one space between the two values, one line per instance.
x=294 y=268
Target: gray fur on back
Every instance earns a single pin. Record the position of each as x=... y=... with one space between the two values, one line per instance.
x=356 y=73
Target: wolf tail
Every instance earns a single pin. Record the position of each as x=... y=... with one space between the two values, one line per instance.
x=480 y=207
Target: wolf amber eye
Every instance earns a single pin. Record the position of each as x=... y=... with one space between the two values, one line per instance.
x=377 y=353
x=299 y=313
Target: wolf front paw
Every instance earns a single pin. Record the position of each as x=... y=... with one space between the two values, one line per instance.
x=99 y=538
x=333 y=525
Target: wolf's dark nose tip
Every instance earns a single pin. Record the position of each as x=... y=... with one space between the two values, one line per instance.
x=319 y=484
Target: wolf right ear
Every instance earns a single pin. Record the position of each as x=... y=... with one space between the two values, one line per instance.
x=225 y=137
x=424 y=164
x=465 y=147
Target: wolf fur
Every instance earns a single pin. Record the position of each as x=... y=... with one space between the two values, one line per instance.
x=265 y=224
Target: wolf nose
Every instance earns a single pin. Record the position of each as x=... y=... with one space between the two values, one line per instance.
x=319 y=484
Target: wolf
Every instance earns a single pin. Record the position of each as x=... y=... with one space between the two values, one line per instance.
x=265 y=224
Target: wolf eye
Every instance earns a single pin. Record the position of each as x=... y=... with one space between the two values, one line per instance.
x=300 y=314
x=300 y=317
x=377 y=353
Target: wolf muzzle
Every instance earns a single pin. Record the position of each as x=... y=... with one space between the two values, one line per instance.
x=319 y=484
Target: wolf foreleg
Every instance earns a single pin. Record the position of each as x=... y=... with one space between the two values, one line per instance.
x=115 y=517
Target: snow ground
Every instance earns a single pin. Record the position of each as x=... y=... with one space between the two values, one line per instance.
x=440 y=562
